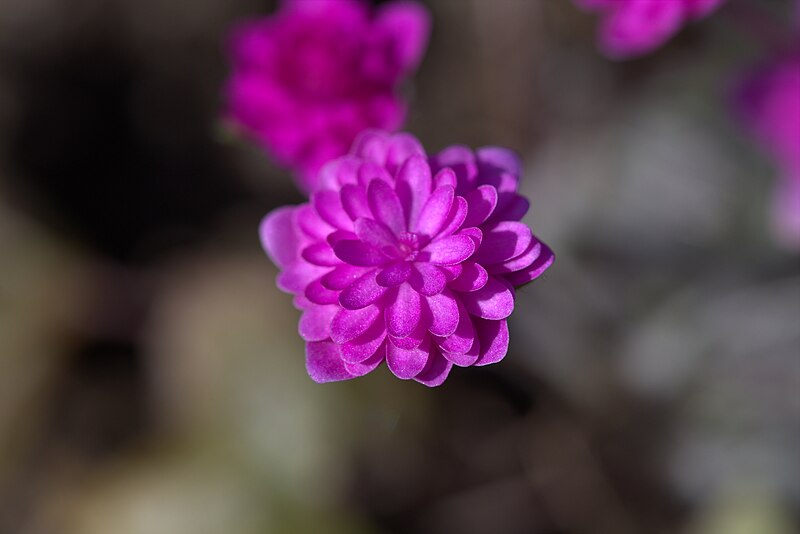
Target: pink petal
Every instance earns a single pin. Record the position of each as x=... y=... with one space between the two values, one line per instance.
x=500 y=158
x=427 y=278
x=358 y=253
x=311 y=224
x=362 y=292
x=415 y=338
x=365 y=345
x=473 y=277
x=320 y=254
x=481 y=203
x=315 y=322
x=518 y=263
x=451 y=249
x=354 y=201
x=403 y=315
x=368 y=365
x=328 y=205
x=339 y=235
x=451 y=272
x=535 y=269
x=456 y=217
x=436 y=370
x=434 y=214
x=395 y=274
x=402 y=146
x=298 y=275
x=408 y=25
x=493 y=337
x=475 y=234
x=462 y=339
x=341 y=171
x=371 y=145
x=385 y=206
x=278 y=236
x=465 y=359
x=342 y=276
x=444 y=313
x=374 y=233
x=462 y=160
x=319 y=294
x=502 y=242
x=407 y=364
x=444 y=177
x=494 y=301
x=371 y=171
x=514 y=208
x=413 y=187
x=323 y=362
x=349 y=324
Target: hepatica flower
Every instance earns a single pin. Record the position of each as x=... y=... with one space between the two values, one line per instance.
x=406 y=258
x=768 y=101
x=306 y=80
x=630 y=28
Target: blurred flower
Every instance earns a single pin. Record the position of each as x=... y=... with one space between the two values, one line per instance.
x=306 y=80
x=408 y=258
x=632 y=28
x=769 y=103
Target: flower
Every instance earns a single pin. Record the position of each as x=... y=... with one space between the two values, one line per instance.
x=306 y=80
x=768 y=102
x=406 y=258
x=630 y=28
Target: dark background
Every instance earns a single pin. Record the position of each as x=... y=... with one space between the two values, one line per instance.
x=151 y=378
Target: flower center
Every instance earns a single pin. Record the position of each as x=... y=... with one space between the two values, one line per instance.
x=408 y=245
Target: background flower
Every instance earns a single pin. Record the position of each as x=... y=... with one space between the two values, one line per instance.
x=405 y=258
x=306 y=80
x=768 y=101
x=631 y=28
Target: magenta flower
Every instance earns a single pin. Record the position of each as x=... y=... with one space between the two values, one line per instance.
x=630 y=28
x=769 y=103
x=306 y=80
x=406 y=258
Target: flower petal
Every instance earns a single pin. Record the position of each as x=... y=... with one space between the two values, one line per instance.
x=327 y=203
x=358 y=253
x=407 y=24
x=354 y=201
x=473 y=277
x=434 y=214
x=395 y=274
x=374 y=233
x=444 y=313
x=481 y=203
x=413 y=187
x=408 y=363
x=427 y=279
x=385 y=206
x=362 y=292
x=323 y=362
x=462 y=339
x=446 y=176
x=436 y=370
x=500 y=158
x=319 y=294
x=311 y=224
x=494 y=301
x=315 y=323
x=278 y=236
x=503 y=241
x=451 y=249
x=298 y=274
x=349 y=324
x=368 y=365
x=342 y=276
x=403 y=315
x=534 y=270
x=320 y=253
x=517 y=263
x=493 y=337
x=365 y=345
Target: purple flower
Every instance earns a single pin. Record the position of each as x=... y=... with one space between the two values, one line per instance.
x=306 y=80
x=768 y=101
x=406 y=258
x=630 y=28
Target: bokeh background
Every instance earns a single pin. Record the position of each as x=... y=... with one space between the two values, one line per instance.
x=151 y=377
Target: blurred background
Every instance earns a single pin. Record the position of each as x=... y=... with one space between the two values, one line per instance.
x=151 y=377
